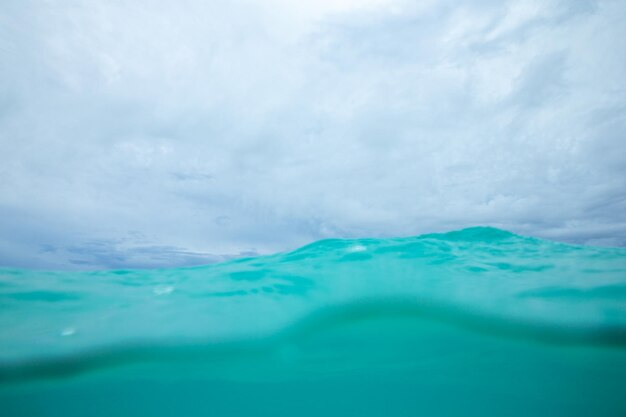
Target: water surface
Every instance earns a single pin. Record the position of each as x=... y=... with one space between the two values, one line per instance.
x=474 y=322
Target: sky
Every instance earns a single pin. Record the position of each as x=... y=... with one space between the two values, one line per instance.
x=155 y=133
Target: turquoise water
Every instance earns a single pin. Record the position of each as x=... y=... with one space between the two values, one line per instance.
x=477 y=322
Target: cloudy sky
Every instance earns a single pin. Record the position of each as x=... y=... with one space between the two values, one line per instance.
x=164 y=133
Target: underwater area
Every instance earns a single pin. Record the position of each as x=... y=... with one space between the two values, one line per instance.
x=476 y=322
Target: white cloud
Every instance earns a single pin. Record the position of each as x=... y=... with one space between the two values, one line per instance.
x=259 y=126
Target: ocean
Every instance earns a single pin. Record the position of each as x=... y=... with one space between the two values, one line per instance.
x=475 y=322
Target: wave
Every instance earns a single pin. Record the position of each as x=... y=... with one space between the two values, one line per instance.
x=327 y=307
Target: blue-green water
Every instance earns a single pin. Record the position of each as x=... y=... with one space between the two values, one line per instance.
x=478 y=322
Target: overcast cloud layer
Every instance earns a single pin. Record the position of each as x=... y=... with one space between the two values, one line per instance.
x=160 y=133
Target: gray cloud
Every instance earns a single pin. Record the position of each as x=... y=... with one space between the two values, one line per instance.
x=220 y=129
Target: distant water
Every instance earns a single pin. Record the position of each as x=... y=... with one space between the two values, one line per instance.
x=477 y=322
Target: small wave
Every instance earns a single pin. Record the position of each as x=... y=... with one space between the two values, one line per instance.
x=386 y=296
